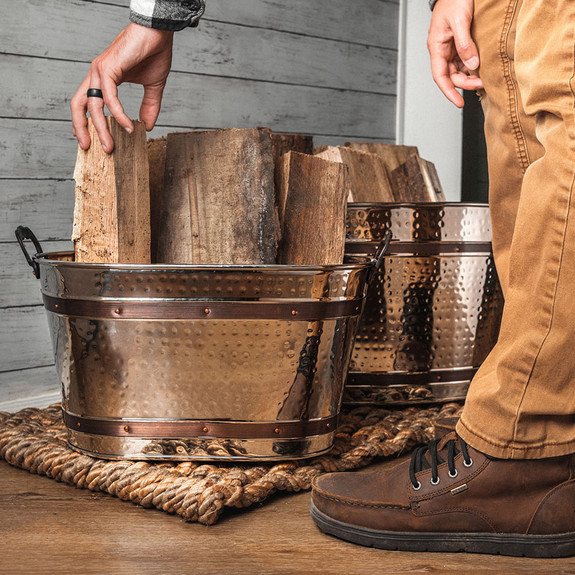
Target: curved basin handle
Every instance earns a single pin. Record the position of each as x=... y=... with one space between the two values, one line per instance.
x=377 y=259
x=23 y=233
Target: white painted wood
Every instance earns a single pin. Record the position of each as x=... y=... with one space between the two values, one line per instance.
x=24 y=338
x=34 y=385
x=325 y=68
x=45 y=206
x=371 y=22
x=19 y=286
x=30 y=401
x=426 y=119
x=215 y=48
x=31 y=93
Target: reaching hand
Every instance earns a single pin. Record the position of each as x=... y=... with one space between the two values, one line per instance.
x=139 y=55
x=454 y=55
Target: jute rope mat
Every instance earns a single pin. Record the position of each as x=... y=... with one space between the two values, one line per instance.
x=35 y=440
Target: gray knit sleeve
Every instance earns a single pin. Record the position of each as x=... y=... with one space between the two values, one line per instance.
x=166 y=14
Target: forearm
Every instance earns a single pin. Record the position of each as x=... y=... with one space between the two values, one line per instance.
x=166 y=14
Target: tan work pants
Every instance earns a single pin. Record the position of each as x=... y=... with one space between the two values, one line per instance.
x=521 y=404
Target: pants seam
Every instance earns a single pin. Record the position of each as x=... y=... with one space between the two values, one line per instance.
x=520 y=140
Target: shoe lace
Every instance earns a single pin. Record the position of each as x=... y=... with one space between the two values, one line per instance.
x=419 y=461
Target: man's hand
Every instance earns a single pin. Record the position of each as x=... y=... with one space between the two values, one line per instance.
x=454 y=56
x=139 y=55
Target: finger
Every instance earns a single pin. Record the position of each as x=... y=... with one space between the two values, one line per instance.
x=464 y=44
x=466 y=82
x=442 y=76
x=96 y=109
x=151 y=103
x=110 y=90
x=79 y=107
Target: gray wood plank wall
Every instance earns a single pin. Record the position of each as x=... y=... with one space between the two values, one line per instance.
x=320 y=67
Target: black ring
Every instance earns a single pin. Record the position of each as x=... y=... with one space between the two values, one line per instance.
x=95 y=93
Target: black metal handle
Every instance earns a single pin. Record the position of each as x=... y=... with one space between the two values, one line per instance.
x=381 y=249
x=377 y=259
x=24 y=233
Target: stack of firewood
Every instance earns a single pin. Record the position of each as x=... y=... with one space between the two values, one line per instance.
x=386 y=172
x=224 y=197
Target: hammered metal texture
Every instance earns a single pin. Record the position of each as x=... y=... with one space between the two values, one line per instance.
x=428 y=321
x=202 y=369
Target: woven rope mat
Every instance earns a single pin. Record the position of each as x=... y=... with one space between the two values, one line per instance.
x=35 y=440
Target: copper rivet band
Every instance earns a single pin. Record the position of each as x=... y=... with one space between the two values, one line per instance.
x=416 y=378
x=166 y=309
x=179 y=429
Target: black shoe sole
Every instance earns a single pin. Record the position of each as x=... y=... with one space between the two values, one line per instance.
x=516 y=545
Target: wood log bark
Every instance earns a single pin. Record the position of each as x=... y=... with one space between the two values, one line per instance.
x=112 y=211
x=392 y=154
x=368 y=175
x=314 y=221
x=157 y=163
x=218 y=202
x=416 y=180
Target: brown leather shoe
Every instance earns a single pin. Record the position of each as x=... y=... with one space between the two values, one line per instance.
x=451 y=497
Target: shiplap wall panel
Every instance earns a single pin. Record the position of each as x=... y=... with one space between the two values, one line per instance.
x=24 y=338
x=325 y=68
x=204 y=100
x=41 y=382
x=19 y=285
x=27 y=203
x=229 y=50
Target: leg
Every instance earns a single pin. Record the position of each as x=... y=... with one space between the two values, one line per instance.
x=521 y=403
x=521 y=406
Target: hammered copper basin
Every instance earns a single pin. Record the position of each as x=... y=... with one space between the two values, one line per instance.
x=201 y=362
x=433 y=311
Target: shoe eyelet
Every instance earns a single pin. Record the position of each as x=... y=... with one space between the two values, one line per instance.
x=468 y=464
x=454 y=475
x=418 y=487
x=434 y=482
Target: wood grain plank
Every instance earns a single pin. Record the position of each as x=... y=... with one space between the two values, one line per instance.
x=313 y=192
x=45 y=206
x=29 y=387
x=41 y=517
x=24 y=338
x=215 y=48
x=372 y=22
x=218 y=102
x=112 y=209
x=19 y=286
x=218 y=203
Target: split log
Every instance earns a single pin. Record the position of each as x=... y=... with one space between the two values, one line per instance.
x=218 y=201
x=392 y=154
x=157 y=163
x=313 y=227
x=112 y=211
x=282 y=144
x=416 y=181
x=368 y=175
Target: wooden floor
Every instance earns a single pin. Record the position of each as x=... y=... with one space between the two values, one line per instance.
x=50 y=528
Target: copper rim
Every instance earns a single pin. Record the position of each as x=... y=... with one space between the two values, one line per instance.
x=415 y=378
x=202 y=309
x=418 y=248
x=180 y=429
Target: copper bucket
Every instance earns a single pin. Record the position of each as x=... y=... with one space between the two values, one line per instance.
x=177 y=362
x=433 y=311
